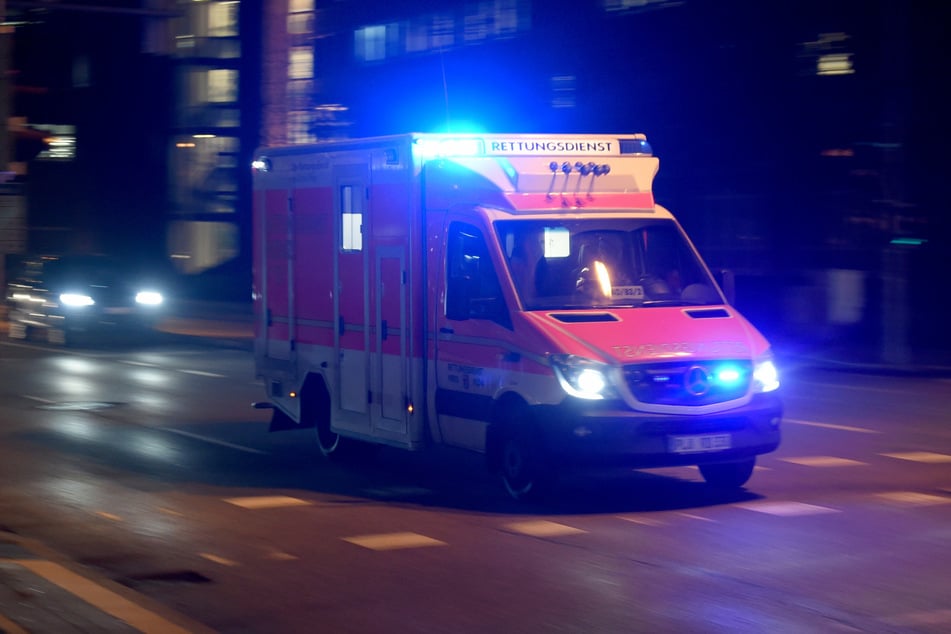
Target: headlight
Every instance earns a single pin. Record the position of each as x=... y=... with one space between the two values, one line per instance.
x=149 y=298
x=76 y=299
x=580 y=377
x=765 y=376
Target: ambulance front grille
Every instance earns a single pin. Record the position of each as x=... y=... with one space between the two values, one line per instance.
x=689 y=382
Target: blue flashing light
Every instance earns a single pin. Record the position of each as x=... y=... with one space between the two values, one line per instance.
x=728 y=375
x=446 y=146
x=636 y=146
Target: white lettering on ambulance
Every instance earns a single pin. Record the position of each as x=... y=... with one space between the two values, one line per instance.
x=698 y=348
x=542 y=147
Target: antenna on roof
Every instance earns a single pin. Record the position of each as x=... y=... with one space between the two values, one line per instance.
x=445 y=89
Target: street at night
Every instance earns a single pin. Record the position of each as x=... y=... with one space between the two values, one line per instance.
x=148 y=474
x=474 y=317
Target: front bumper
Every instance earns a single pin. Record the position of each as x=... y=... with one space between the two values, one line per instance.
x=608 y=434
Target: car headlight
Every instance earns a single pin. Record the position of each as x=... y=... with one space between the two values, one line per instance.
x=76 y=299
x=580 y=377
x=765 y=376
x=149 y=298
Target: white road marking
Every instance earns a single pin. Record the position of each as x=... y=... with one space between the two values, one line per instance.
x=919 y=456
x=267 y=502
x=143 y=364
x=809 y=423
x=913 y=498
x=698 y=517
x=218 y=560
x=823 y=461
x=646 y=521
x=393 y=541
x=787 y=509
x=109 y=516
x=213 y=441
x=202 y=373
x=543 y=528
x=39 y=399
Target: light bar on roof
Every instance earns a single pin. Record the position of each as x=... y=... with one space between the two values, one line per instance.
x=441 y=147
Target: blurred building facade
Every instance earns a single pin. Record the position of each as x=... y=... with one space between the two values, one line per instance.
x=796 y=139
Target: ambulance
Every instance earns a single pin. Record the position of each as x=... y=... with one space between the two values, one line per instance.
x=522 y=296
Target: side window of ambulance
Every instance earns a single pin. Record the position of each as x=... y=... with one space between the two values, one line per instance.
x=472 y=286
x=351 y=218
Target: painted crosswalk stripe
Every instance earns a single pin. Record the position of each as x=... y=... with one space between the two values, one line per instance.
x=787 y=509
x=823 y=461
x=267 y=502
x=393 y=541
x=919 y=456
x=544 y=528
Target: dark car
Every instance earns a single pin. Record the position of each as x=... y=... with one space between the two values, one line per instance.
x=66 y=298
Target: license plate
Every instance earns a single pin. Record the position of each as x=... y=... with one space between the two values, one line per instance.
x=699 y=443
x=118 y=310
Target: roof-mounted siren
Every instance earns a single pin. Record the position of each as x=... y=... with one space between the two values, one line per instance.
x=636 y=145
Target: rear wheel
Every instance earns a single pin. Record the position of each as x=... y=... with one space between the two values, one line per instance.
x=728 y=475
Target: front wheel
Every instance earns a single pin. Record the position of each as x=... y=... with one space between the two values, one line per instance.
x=728 y=475
x=526 y=473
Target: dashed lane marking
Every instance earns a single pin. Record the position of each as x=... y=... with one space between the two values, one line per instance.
x=109 y=516
x=39 y=399
x=224 y=561
x=213 y=441
x=267 y=502
x=919 y=456
x=913 y=498
x=213 y=375
x=645 y=521
x=691 y=516
x=823 y=461
x=809 y=423
x=393 y=541
x=544 y=528
x=787 y=509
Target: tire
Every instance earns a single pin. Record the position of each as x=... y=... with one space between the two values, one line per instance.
x=524 y=467
x=728 y=475
x=316 y=410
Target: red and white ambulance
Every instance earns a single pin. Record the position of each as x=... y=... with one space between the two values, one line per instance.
x=517 y=295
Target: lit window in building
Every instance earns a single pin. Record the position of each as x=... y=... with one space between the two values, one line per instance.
x=370 y=43
x=299 y=124
x=300 y=17
x=444 y=31
x=223 y=19
x=222 y=85
x=300 y=6
x=301 y=63
x=300 y=23
x=835 y=64
x=490 y=20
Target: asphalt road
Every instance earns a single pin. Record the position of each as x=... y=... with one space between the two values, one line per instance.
x=139 y=491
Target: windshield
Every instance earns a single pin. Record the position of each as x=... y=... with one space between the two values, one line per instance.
x=597 y=263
